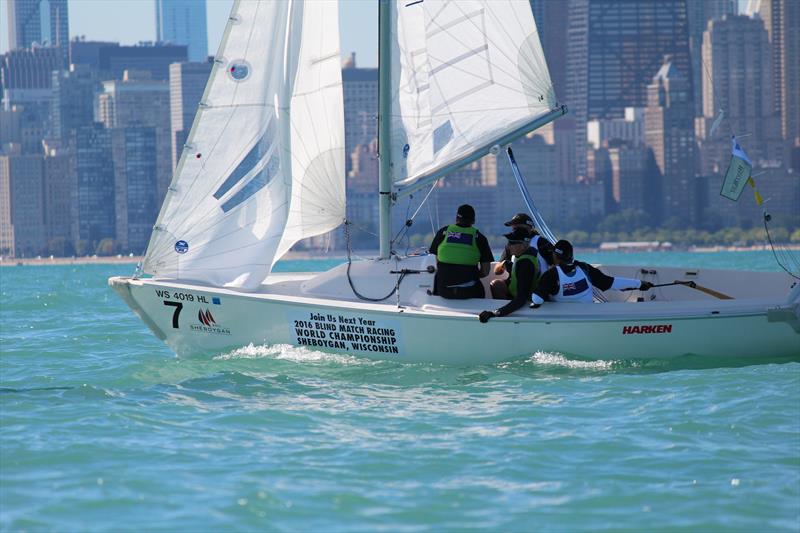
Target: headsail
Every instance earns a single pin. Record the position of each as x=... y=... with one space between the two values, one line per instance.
x=469 y=73
x=264 y=163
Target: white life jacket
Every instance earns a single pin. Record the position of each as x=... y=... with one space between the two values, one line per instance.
x=543 y=264
x=574 y=287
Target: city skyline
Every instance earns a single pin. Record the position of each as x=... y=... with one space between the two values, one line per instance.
x=103 y=21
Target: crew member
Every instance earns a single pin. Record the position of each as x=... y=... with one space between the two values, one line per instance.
x=523 y=279
x=463 y=256
x=539 y=243
x=572 y=281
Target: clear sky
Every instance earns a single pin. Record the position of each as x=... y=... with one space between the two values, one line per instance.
x=131 y=21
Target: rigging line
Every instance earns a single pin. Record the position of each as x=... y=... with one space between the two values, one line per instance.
x=350 y=279
x=772 y=246
x=411 y=219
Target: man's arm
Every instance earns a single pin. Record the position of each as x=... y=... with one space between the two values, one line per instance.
x=525 y=274
x=548 y=286
x=500 y=267
x=486 y=254
x=605 y=282
x=437 y=240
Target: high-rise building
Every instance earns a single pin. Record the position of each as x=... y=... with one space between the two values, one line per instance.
x=134 y=154
x=183 y=22
x=551 y=18
x=360 y=88
x=27 y=77
x=92 y=188
x=635 y=179
x=613 y=48
x=782 y=22
x=72 y=101
x=57 y=201
x=21 y=176
x=187 y=82
x=154 y=58
x=700 y=12
x=737 y=53
x=6 y=226
x=669 y=132
x=629 y=128
x=42 y=22
x=83 y=52
x=139 y=100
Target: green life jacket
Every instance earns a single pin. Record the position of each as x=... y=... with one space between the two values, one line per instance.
x=512 y=284
x=459 y=247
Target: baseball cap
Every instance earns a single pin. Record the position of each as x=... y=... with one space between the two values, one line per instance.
x=466 y=213
x=520 y=218
x=563 y=250
x=517 y=236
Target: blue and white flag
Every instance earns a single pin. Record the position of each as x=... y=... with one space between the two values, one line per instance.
x=738 y=172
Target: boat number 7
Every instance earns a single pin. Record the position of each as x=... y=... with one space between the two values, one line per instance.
x=176 y=314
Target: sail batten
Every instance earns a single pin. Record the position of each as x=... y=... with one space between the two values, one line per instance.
x=412 y=184
x=264 y=163
x=469 y=74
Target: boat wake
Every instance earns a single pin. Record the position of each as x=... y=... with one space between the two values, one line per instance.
x=296 y=354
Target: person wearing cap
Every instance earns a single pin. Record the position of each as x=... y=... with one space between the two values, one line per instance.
x=572 y=281
x=539 y=243
x=523 y=279
x=463 y=256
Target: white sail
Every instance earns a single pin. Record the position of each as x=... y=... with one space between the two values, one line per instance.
x=469 y=73
x=264 y=163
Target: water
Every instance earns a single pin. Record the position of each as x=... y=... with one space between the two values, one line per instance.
x=102 y=428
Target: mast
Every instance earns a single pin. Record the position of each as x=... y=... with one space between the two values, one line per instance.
x=384 y=125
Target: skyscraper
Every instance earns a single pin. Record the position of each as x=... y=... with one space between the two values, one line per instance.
x=613 y=49
x=134 y=154
x=45 y=22
x=72 y=101
x=782 y=22
x=737 y=53
x=92 y=188
x=139 y=100
x=21 y=176
x=669 y=132
x=115 y=60
x=699 y=13
x=360 y=88
x=187 y=82
x=183 y=22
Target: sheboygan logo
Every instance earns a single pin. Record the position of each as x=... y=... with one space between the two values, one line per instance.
x=208 y=324
x=206 y=318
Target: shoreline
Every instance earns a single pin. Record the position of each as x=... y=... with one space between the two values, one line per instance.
x=306 y=255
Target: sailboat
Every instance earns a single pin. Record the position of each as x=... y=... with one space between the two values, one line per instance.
x=263 y=168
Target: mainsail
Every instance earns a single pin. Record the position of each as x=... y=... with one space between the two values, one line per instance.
x=263 y=166
x=466 y=74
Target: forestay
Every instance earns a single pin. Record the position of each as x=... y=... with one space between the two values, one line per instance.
x=466 y=74
x=263 y=166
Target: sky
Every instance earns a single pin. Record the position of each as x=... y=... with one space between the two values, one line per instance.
x=131 y=21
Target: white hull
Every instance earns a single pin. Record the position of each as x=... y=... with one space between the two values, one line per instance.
x=320 y=311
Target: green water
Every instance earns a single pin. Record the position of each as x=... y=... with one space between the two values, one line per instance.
x=103 y=429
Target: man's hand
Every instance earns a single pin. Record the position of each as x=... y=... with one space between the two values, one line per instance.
x=499 y=268
x=645 y=286
x=485 y=316
x=535 y=306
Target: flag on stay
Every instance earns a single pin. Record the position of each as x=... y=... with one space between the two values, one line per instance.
x=757 y=196
x=738 y=173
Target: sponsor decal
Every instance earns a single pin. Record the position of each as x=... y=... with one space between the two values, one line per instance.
x=208 y=324
x=215 y=300
x=645 y=330
x=181 y=247
x=345 y=332
x=572 y=288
